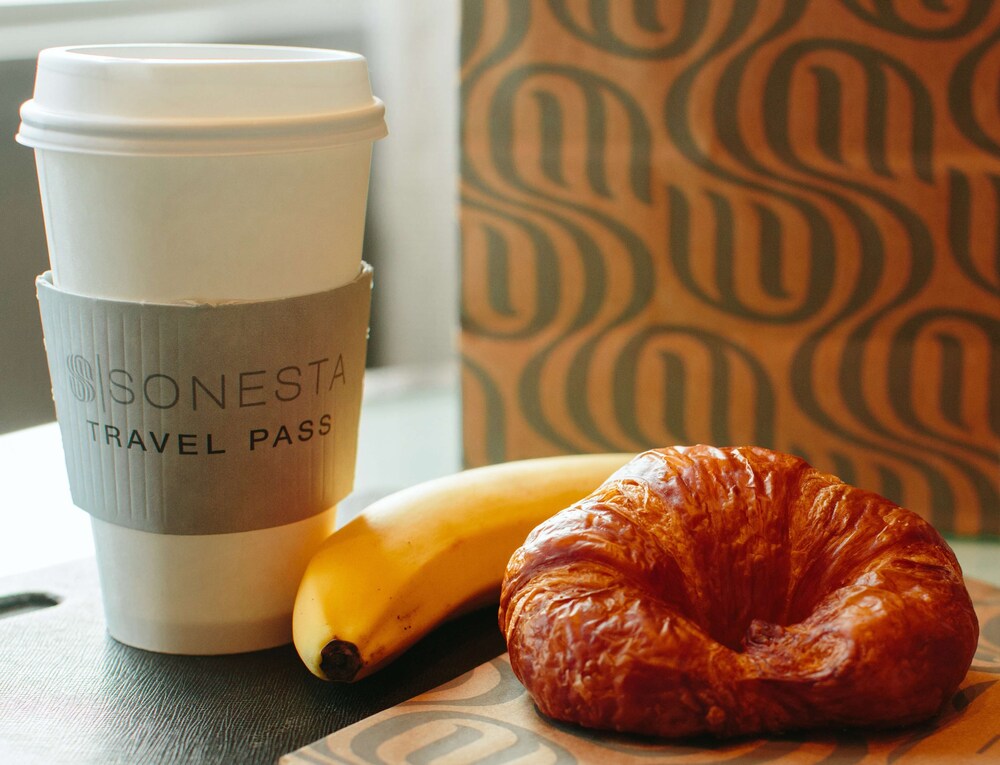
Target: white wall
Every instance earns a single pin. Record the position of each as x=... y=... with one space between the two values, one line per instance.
x=29 y=25
x=414 y=63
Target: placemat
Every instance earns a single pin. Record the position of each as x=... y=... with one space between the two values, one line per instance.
x=486 y=716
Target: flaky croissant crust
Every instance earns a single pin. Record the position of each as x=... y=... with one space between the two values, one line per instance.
x=735 y=591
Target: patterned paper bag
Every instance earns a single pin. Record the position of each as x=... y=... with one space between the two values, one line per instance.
x=730 y=221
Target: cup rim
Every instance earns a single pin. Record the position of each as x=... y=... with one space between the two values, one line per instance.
x=267 y=54
x=277 y=99
x=47 y=130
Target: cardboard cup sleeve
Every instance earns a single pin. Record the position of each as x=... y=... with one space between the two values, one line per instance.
x=200 y=419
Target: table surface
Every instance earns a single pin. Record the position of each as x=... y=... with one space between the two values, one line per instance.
x=68 y=692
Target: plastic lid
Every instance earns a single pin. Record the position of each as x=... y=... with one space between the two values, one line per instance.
x=199 y=99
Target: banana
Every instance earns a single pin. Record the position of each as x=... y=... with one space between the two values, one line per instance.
x=425 y=554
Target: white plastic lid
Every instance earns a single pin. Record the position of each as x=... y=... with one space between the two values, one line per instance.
x=199 y=99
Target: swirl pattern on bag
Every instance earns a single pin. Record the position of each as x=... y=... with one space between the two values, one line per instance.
x=738 y=222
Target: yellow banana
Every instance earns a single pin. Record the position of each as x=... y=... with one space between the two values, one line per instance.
x=425 y=554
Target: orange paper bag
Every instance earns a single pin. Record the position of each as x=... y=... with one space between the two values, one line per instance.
x=736 y=222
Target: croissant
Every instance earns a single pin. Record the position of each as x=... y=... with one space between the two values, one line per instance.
x=735 y=591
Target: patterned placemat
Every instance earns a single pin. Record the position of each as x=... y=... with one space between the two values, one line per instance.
x=485 y=716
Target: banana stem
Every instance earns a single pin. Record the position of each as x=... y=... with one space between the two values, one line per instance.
x=340 y=660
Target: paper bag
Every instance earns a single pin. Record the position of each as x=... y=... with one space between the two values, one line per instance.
x=735 y=223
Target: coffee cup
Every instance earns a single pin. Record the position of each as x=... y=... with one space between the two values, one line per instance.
x=205 y=320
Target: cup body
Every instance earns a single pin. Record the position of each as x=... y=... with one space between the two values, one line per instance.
x=204 y=594
x=171 y=229
x=180 y=174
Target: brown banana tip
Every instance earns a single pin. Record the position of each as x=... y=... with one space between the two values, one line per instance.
x=340 y=661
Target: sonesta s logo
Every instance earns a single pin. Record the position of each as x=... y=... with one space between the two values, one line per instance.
x=81 y=378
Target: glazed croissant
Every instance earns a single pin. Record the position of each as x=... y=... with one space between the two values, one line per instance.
x=735 y=591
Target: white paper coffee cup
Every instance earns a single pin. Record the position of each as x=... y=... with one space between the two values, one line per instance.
x=201 y=175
